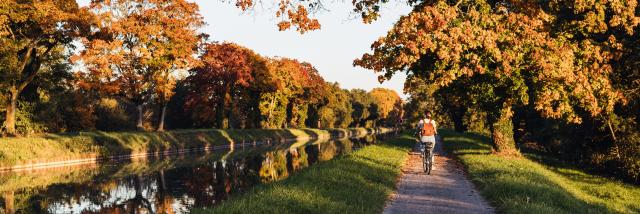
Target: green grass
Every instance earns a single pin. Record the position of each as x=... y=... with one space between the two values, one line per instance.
x=356 y=183
x=528 y=185
x=61 y=147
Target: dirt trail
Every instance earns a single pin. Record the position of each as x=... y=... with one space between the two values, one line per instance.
x=446 y=190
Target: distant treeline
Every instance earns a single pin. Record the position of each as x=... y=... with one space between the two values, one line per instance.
x=144 y=62
x=233 y=87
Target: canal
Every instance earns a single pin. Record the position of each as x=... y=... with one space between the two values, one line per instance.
x=166 y=184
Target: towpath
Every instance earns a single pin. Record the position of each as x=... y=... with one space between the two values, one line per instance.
x=446 y=190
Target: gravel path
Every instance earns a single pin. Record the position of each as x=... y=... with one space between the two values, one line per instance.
x=446 y=190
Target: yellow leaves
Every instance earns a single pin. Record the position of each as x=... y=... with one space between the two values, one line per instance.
x=5 y=30
x=515 y=48
x=244 y=4
x=621 y=14
x=386 y=100
x=298 y=18
x=284 y=25
x=138 y=44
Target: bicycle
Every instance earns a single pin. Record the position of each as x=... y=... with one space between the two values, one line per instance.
x=426 y=153
x=427 y=156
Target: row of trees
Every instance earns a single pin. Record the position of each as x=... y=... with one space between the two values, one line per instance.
x=145 y=59
x=563 y=74
x=237 y=88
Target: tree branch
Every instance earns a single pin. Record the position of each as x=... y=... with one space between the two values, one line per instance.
x=27 y=55
x=33 y=74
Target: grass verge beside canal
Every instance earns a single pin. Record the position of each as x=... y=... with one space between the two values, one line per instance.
x=356 y=183
x=65 y=147
x=522 y=185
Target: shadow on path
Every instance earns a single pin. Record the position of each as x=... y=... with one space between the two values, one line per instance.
x=446 y=190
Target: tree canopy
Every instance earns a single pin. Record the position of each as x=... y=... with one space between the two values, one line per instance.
x=30 y=32
x=137 y=46
x=512 y=53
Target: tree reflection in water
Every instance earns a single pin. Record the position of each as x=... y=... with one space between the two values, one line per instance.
x=177 y=189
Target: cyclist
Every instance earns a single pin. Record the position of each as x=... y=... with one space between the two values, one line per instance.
x=428 y=130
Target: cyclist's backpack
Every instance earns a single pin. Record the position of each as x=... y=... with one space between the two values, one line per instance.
x=427 y=128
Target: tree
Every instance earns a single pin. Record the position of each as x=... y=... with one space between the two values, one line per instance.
x=509 y=54
x=138 y=43
x=387 y=101
x=309 y=94
x=175 y=49
x=296 y=86
x=30 y=31
x=227 y=68
x=336 y=113
x=360 y=102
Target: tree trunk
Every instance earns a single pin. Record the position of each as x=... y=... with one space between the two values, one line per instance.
x=162 y=116
x=140 y=125
x=163 y=183
x=502 y=133
x=458 y=121
x=231 y=108
x=273 y=99
x=10 y=120
x=220 y=114
x=9 y=202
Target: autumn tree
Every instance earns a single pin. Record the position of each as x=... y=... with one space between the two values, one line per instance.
x=510 y=55
x=361 y=101
x=297 y=86
x=387 y=101
x=136 y=47
x=310 y=94
x=337 y=110
x=226 y=70
x=30 y=31
x=175 y=49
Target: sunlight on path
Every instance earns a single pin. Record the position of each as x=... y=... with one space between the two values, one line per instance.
x=446 y=190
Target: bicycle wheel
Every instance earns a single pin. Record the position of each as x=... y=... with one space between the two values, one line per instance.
x=424 y=161
x=429 y=164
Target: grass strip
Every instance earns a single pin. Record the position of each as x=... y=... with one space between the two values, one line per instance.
x=356 y=183
x=528 y=185
x=63 y=147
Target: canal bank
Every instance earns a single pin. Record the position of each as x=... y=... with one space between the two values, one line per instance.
x=177 y=183
x=52 y=150
x=360 y=182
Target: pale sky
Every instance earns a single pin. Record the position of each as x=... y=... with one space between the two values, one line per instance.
x=331 y=50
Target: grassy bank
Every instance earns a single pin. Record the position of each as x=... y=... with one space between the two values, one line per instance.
x=356 y=183
x=528 y=185
x=62 y=147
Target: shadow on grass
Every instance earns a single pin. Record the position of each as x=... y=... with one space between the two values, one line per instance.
x=520 y=185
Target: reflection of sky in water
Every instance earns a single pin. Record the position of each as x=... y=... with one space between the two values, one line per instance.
x=171 y=185
x=119 y=195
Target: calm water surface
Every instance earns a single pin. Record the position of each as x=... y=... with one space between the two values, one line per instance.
x=171 y=184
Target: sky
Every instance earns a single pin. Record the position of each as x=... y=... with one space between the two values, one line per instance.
x=332 y=49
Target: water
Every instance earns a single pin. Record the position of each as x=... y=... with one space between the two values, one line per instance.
x=172 y=184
